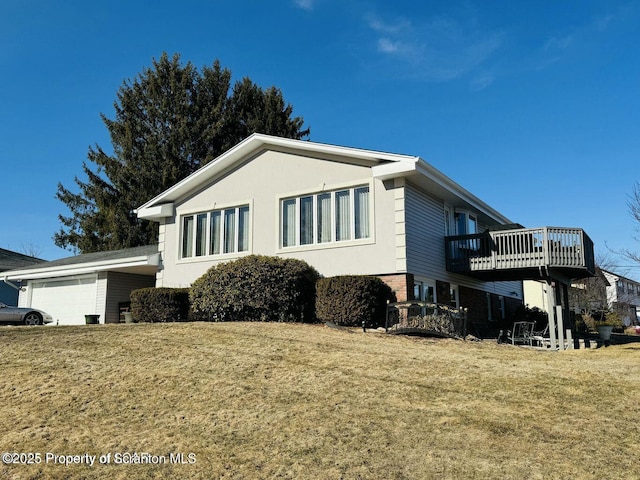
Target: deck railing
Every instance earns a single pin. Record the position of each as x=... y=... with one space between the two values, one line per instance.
x=553 y=247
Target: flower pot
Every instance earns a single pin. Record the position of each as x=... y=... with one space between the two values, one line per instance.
x=604 y=331
x=128 y=317
x=92 y=319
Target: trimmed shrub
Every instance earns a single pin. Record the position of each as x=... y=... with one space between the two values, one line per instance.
x=525 y=314
x=349 y=300
x=160 y=304
x=256 y=288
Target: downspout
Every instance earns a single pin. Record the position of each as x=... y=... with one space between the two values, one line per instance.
x=12 y=285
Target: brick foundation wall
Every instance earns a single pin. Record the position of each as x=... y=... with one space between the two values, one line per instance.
x=475 y=301
x=510 y=305
x=401 y=284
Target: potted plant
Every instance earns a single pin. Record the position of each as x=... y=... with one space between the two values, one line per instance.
x=605 y=322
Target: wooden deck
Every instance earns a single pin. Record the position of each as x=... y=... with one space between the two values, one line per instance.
x=521 y=253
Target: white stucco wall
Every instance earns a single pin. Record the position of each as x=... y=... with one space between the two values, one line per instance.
x=261 y=183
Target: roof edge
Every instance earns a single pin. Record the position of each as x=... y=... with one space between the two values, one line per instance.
x=253 y=143
x=82 y=268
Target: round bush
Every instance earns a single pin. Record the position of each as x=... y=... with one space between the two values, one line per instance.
x=350 y=300
x=256 y=288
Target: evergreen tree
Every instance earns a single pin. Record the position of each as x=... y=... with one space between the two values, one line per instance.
x=171 y=120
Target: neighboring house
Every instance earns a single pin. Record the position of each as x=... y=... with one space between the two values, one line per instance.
x=352 y=211
x=589 y=294
x=535 y=294
x=623 y=296
x=94 y=283
x=8 y=261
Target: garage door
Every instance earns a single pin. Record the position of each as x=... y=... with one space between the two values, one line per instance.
x=67 y=300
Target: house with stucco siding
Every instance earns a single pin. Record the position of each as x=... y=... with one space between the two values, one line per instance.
x=345 y=211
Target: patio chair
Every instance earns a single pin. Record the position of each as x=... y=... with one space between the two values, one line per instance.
x=541 y=337
x=522 y=333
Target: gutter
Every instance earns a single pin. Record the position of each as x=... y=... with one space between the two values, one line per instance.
x=12 y=285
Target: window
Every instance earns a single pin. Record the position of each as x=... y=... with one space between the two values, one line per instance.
x=448 y=228
x=466 y=223
x=216 y=232
x=336 y=216
x=201 y=234
x=424 y=291
x=453 y=295
x=187 y=236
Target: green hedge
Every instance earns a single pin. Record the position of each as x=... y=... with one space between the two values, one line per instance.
x=160 y=304
x=351 y=299
x=256 y=288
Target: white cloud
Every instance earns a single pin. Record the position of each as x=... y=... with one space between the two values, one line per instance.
x=304 y=4
x=378 y=25
x=482 y=81
x=437 y=49
x=558 y=46
x=602 y=23
x=388 y=46
x=560 y=43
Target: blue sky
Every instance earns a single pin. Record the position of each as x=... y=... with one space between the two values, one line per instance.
x=532 y=106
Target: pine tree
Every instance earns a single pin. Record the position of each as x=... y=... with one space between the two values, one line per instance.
x=169 y=121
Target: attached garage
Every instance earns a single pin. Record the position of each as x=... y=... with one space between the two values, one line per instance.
x=91 y=284
x=68 y=300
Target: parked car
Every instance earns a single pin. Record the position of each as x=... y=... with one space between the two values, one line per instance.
x=23 y=316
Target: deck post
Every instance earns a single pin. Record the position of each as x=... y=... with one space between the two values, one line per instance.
x=560 y=322
x=551 y=313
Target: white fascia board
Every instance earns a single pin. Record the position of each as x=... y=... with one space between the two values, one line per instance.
x=249 y=146
x=156 y=212
x=395 y=169
x=408 y=166
x=335 y=150
x=201 y=175
x=83 y=268
x=437 y=176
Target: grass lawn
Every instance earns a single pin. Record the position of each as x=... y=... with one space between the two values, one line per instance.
x=252 y=400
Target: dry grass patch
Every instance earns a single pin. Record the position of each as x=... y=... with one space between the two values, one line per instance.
x=254 y=400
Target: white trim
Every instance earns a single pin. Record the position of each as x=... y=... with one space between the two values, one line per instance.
x=252 y=145
x=180 y=215
x=386 y=166
x=450 y=219
x=157 y=212
x=401 y=168
x=333 y=242
x=426 y=281
x=213 y=206
x=454 y=287
x=427 y=170
x=85 y=268
x=324 y=188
